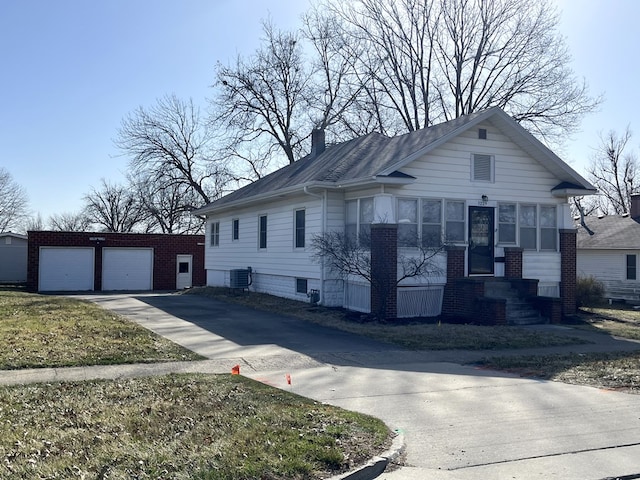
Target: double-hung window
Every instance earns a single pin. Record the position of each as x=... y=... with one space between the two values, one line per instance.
x=548 y=228
x=215 y=234
x=299 y=228
x=235 y=229
x=359 y=217
x=431 y=223
x=507 y=223
x=262 y=231
x=454 y=217
x=632 y=267
x=528 y=227
x=407 y=222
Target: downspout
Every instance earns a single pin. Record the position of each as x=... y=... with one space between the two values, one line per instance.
x=323 y=229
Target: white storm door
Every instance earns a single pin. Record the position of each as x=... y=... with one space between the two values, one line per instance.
x=184 y=276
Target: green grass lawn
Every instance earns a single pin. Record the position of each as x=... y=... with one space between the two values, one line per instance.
x=178 y=427
x=51 y=331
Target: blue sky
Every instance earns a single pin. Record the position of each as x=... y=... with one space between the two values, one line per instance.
x=72 y=69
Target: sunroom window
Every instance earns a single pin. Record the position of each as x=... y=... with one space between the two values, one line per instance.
x=407 y=222
x=548 y=228
x=431 y=223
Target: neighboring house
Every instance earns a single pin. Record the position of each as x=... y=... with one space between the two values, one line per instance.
x=496 y=193
x=609 y=250
x=13 y=258
x=99 y=261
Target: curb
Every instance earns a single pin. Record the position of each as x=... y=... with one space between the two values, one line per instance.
x=376 y=465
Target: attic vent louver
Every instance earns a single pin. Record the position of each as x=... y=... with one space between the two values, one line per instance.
x=482 y=167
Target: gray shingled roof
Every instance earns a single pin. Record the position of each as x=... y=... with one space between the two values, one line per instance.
x=378 y=156
x=610 y=232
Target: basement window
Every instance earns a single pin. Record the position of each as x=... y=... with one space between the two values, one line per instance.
x=301 y=285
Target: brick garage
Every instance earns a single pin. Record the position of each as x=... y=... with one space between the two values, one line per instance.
x=164 y=251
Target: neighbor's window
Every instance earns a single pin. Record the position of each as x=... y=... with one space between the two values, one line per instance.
x=301 y=285
x=407 y=222
x=431 y=222
x=548 y=230
x=215 y=234
x=631 y=267
x=454 y=216
x=482 y=167
x=262 y=232
x=507 y=223
x=528 y=233
x=299 y=228
x=235 y=230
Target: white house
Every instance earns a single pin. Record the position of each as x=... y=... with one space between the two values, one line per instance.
x=496 y=193
x=13 y=258
x=609 y=250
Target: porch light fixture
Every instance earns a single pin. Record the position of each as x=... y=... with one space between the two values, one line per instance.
x=485 y=199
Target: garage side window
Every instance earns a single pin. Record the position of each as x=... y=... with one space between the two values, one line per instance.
x=215 y=234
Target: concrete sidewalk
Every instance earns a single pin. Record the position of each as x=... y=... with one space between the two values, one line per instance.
x=459 y=422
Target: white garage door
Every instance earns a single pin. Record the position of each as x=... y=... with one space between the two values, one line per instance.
x=65 y=269
x=127 y=268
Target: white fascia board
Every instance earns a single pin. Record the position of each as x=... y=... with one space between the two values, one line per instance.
x=573 y=192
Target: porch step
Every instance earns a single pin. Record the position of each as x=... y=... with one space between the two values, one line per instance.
x=518 y=310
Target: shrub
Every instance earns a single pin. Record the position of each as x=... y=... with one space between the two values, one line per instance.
x=589 y=292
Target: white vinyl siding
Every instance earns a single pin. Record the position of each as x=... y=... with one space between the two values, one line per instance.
x=611 y=268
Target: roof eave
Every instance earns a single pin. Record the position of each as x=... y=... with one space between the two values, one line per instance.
x=573 y=192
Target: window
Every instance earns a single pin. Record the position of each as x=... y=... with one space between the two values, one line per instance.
x=351 y=219
x=548 y=230
x=262 y=232
x=215 y=234
x=507 y=223
x=482 y=168
x=359 y=216
x=366 y=217
x=528 y=231
x=299 y=228
x=454 y=216
x=631 y=267
x=482 y=133
x=183 y=267
x=407 y=222
x=301 y=285
x=235 y=230
x=431 y=222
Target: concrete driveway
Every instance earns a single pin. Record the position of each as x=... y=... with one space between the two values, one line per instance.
x=459 y=422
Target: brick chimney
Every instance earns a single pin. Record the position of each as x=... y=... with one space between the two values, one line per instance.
x=317 y=142
x=635 y=207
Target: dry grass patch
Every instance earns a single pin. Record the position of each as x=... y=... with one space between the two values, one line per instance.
x=50 y=331
x=618 y=320
x=178 y=427
x=617 y=370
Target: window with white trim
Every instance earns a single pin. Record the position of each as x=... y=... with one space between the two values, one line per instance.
x=301 y=285
x=300 y=228
x=235 y=229
x=407 y=222
x=528 y=227
x=431 y=222
x=548 y=228
x=632 y=267
x=359 y=217
x=455 y=221
x=215 y=234
x=481 y=167
x=507 y=223
x=262 y=232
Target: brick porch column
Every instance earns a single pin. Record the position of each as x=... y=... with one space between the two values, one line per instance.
x=455 y=271
x=568 y=271
x=384 y=270
x=513 y=262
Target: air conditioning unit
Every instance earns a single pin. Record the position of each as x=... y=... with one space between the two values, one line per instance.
x=240 y=278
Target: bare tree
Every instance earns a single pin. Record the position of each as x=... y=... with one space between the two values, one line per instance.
x=115 y=208
x=428 y=61
x=170 y=144
x=34 y=223
x=69 y=222
x=14 y=208
x=262 y=99
x=613 y=172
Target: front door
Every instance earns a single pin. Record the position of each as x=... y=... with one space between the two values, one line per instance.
x=481 y=255
x=183 y=278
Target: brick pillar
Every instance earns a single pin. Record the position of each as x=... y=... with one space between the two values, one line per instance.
x=513 y=262
x=384 y=270
x=568 y=272
x=455 y=271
